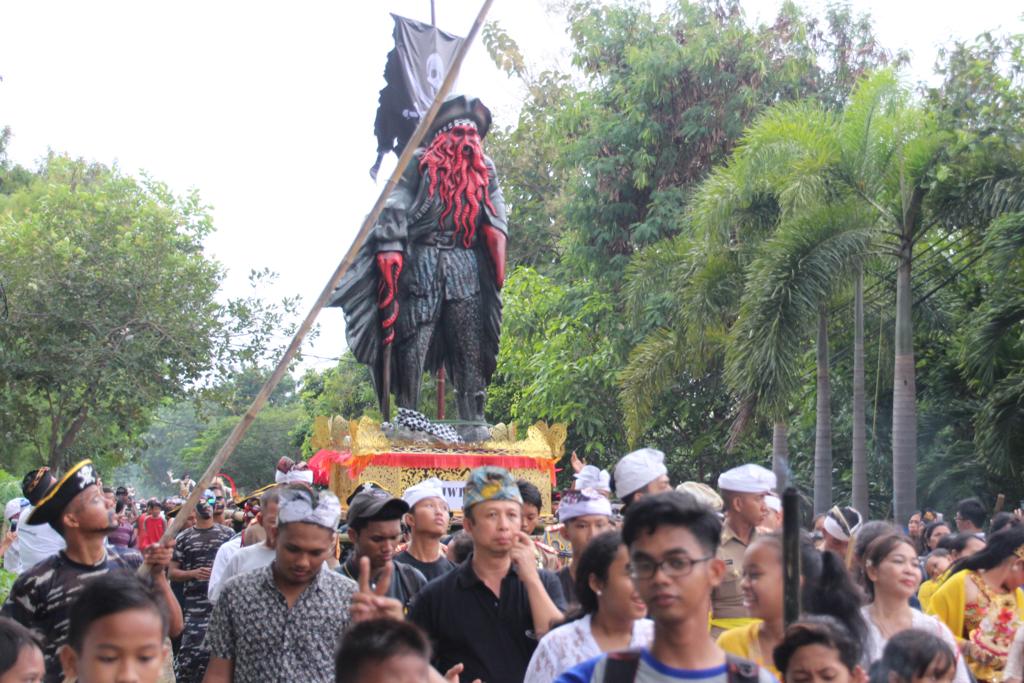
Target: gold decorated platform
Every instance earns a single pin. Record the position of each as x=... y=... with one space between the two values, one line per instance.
x=358 y=452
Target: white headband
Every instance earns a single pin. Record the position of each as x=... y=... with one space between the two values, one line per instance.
x=296 y=506
x=836 y=530
x=429 y=488
x=301 y=476
x=577 y=503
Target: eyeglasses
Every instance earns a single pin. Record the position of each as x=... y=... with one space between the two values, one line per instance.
x=674 y=567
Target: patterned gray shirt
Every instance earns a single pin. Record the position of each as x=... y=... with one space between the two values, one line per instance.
x=253 y=626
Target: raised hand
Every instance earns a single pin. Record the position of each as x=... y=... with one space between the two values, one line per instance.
x=373 y=603
x=577 y=464
x=523 y=555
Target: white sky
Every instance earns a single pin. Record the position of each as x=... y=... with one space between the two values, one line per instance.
x=267 y=107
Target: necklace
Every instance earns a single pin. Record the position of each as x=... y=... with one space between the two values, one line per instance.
x=890 y=628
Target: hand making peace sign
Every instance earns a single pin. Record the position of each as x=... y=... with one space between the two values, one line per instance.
x=373 y=603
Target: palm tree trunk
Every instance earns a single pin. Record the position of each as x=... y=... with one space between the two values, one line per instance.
x=904 y=406
x=780 y=454
x=860 y=464
x=823 y=426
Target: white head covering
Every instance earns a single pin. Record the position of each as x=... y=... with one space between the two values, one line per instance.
x=580 y=502
x=836 y=522
x=14 y=507
x=638 y=469
x=292 y=476
x=747 y=479
x=428 y=488
x=773 y=503
x=703 y=493
x=592 y=478
x=296 y=505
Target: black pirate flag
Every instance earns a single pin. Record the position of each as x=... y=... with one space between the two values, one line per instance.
x=414 y=72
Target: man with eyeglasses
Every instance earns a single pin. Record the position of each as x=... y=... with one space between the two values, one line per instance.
x=743 y=491
x=375 y=527
x=970 y=517
x=194 y=552
x=672 y=541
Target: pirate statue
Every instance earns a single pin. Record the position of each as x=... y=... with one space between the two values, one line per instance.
x=424 y=290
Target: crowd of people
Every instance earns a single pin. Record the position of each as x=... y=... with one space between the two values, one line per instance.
x=655 y=583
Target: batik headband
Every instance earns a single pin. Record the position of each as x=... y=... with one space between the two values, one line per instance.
x=299 y=503
x=582 y=502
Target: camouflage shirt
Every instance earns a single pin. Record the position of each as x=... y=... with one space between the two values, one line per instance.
x=41 y=597
x=196 y=548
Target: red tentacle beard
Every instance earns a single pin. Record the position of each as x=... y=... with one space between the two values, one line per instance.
x=454 y=162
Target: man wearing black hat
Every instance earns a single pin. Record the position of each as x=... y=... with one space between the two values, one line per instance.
x=375 y=527
x=77 y=509
x=428 y=278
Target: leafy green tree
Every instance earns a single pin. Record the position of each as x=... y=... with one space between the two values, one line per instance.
x=557 y=362
x=12 y=176
x=277 y=431
x=113 y=310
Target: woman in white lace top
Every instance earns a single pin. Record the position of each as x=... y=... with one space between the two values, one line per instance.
x=893 y=574
x=610 y=617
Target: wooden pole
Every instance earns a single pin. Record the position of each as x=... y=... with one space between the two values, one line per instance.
x=790 y=555
x=440 y=393
x=235 y=437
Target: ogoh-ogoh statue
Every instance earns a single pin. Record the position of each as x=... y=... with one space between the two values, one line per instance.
x=426 y=284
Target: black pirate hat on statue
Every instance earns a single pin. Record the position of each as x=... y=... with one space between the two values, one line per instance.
x=457 y=108
x=52 y=504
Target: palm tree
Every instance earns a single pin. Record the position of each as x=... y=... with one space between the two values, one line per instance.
x=859 y=445
x=842 y=188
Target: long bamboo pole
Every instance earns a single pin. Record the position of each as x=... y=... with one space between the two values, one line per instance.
x=236 y=435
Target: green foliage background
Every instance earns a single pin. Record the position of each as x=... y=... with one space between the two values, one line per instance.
x=621 y=309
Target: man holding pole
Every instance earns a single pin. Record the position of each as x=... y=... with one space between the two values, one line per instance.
x=76 y=508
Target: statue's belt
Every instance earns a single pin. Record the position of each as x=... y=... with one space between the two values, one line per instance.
x=443 y=240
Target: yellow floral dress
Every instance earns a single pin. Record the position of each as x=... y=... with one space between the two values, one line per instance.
x=990 y=623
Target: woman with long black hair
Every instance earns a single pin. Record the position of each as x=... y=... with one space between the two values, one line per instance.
x=981 y=604
x=610 y=616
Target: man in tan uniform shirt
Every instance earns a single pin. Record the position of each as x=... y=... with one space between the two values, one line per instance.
x=743 y=490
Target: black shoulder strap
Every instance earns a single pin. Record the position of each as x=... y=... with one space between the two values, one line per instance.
x=621 y=667
x=739 y=670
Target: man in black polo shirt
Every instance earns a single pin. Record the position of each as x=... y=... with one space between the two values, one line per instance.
x=489 y=612
x=375 y=527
